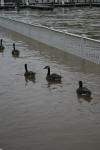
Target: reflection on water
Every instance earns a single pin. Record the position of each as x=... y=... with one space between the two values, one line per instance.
x=15 y=56
x=44 y=116
x=88 y=99
x=1 y=49
x=82 y=21
x=29 y=80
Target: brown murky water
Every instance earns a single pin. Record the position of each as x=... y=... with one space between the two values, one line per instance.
x=41 y=116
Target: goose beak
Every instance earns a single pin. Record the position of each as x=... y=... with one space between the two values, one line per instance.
x=46 y=67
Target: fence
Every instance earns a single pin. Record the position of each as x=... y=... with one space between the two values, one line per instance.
x=84 y=47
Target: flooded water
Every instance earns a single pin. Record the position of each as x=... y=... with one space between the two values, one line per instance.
x=42 y=116
x=82 y=21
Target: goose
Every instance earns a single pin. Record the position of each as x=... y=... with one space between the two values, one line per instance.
x=83 y=91
x=15 y=52
x=29 y=74
x=1 y=45
x=52 y=77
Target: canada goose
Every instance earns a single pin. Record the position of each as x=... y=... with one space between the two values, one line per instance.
x=15 y=52
x=29 y=74
x=83 y=91
x=1 y=45
x=52 y=77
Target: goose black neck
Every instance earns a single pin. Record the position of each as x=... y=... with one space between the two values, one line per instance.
x=1 y=43
x=48 y=72
x=26 y=68
x=80 y=84
x=14 y=47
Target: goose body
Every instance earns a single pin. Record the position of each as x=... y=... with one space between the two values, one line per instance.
x=83 y=91
x=15 y=52
x=1 y=45
x=52 y=77
x=29 y=74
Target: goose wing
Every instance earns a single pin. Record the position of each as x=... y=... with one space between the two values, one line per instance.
x=84 y=91
x=31 y=73
x=54 y=75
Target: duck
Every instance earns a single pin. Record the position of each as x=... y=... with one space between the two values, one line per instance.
x=83 y=91
x=15 y=52
x=29 y=74
x=1 y=45
x=52 y=77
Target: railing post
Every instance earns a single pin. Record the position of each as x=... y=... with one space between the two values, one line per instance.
x=2 y=2
x=90 y=3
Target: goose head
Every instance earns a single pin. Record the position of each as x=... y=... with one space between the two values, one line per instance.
x=47 y=67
